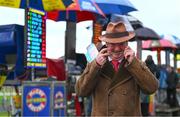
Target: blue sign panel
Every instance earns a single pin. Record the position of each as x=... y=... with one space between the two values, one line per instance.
x=59 y=100
x=36 y=101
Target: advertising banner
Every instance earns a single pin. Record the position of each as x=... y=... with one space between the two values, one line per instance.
x=59 y=100
x=36 y=101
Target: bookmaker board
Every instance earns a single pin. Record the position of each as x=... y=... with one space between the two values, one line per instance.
x=35 y=38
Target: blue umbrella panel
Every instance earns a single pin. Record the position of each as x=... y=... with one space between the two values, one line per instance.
x=115 y=6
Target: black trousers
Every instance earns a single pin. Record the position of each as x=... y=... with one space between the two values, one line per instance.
x=145 y=109
x=171 y=97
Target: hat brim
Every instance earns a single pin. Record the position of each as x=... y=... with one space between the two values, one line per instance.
x=117 y=40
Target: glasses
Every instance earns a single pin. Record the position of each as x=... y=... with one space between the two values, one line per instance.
x=113 y=45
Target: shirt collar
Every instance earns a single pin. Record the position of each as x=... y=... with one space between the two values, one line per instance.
x=110 y=59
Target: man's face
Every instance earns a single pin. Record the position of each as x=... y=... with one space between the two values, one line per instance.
x=169 y=69
x=116 y=50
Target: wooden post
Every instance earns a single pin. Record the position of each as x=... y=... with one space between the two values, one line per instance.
x=167 y=56
x=159 y=56
x=175 y=60
x=70 y=41
x=139 y=49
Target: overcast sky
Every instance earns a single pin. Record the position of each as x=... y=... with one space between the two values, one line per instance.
x=163 y=16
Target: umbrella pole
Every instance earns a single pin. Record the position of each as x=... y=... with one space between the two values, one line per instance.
x=139 y=49
x=159 y=56
x=70 y=41
x=167 y=57
x=175 y=61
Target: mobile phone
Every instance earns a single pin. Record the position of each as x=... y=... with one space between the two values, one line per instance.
x=103 y=46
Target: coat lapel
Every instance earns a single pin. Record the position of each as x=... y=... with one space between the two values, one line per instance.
x=115 y=77
x=107 y=70
x=121 y=76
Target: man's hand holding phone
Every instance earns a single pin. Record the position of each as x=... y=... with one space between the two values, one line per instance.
x=129 y=54
x=102 y=57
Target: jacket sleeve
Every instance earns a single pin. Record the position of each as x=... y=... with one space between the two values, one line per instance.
x=176 y=78
x=143 y=76
x=88 y=80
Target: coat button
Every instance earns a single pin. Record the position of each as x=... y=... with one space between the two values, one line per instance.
x=124 y=92
x=110 y=113
x=111 y=93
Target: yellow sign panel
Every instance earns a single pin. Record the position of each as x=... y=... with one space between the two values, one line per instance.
x=37 y=11
x=10 y=3
x=50 y=5
x=2 y=80
x=178 y=57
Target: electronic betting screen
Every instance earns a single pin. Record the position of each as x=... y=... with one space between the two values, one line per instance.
x=97 y=29
x=35 y=44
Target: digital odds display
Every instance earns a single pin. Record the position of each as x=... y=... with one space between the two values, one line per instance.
x=97 y=29
x=35 y=44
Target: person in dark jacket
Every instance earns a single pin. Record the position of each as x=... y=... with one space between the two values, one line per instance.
x=152 y=66
x=145 y=99
x=116 y=77
x=172 y=80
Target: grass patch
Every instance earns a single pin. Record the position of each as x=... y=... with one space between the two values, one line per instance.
x=4 y=114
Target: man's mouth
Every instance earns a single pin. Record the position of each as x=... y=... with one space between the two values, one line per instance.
x=119 y=52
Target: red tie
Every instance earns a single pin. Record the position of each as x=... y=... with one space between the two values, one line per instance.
x=115 y=64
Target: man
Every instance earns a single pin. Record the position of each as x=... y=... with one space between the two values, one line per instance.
x=115 y=89
x=172 y=81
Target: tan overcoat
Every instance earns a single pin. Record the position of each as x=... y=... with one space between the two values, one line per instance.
x=116 y=94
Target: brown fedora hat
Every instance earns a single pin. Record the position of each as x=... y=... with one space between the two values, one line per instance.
x=117 y=33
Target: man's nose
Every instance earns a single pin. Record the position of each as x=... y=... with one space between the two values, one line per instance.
x=117 y=47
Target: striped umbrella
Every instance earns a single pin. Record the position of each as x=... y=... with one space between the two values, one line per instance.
x=161 y=44
x=45 y=5
x=172 y=38
x=176 y=41
x=158 y=45
x=80 y=10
